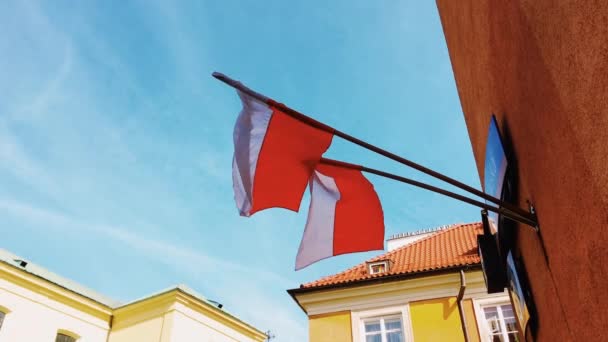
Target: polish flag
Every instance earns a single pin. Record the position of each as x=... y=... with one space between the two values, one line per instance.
x=345 y=216
x=274 y=156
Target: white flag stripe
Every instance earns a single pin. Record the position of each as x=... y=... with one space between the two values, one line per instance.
x=317 y=241
x=249 y=132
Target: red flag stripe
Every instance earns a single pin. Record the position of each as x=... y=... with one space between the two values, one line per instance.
x=275 y=154
x=359 y=224
x=345 y=215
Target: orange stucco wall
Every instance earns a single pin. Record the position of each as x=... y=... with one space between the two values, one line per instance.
x=542 y=67
x=436 y=320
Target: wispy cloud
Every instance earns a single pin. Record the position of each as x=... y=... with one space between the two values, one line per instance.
x=16 y=161
x=258 y=305
x=50 y=91
x=215 y=164
x=162 y=250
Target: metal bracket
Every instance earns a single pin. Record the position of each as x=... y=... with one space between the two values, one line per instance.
x=532 y=211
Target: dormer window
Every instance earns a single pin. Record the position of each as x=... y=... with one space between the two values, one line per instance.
x=378 y=267
x=66 y=336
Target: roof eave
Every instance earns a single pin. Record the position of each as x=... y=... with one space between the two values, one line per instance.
x=105 y=305
x=293 y=294
x=379 y=280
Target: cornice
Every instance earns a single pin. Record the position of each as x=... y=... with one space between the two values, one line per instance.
x=55 y=292
x=399 y=292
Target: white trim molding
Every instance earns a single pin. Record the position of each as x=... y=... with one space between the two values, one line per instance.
x=367 y=297
x=358 y=318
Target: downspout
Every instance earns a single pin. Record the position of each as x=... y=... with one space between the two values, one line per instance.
x=463 y=323
x=110 y=323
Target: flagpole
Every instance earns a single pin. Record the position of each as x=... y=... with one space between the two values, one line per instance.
x=312 y=122
x=502 y=211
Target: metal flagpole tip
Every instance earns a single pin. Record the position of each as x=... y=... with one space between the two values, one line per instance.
x=229 y=81
x=218 y=75
x=239 y=86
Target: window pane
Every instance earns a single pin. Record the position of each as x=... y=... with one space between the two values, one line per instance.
x=373 y=338
x=513 y=337
x=395 y=336
x=490 y=311
x=372 y=326
x=494 y=325
x=392 y=324
x=507 y=310
x=378 y=268
x=492 y=318
x=64 y=338
x=511 y=324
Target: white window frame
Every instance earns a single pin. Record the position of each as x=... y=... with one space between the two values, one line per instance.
x=479 y=304
x=358 y=319
x=371 y=264
x=382 y=320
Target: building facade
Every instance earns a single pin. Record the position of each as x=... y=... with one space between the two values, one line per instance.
x=39 y=306
x=540 y=67
x=427 y=287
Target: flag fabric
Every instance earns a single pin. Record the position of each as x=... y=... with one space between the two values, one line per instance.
x=345 y=215
x=274 y=157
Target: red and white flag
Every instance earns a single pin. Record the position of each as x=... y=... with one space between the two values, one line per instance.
x=274 y=157
x=345 y=216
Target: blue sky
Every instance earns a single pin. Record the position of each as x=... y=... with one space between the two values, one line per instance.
x=116 y=143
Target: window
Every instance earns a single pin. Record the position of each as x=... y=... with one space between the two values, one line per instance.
x=387 y=324
x=383 y=329
x=378 y=267
x=500 y=323
x=3 y=312
x=61 y=337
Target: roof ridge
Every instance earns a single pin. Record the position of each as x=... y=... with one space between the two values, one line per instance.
x=420 y=241
x=421 y=231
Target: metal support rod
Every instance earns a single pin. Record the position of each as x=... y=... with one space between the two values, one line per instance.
x=310 y=121
x=502 y=211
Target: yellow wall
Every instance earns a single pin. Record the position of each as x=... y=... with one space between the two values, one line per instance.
x=436 y=320
x=333 y=327
x=148 y=330
x=173 y=316
x=471 y=320
x=34 y=315
x=188 y=322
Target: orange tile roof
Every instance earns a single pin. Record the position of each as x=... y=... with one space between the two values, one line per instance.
x=452 y=247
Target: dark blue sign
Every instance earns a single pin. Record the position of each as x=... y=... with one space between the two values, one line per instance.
x=518 y=299
x=494 y=170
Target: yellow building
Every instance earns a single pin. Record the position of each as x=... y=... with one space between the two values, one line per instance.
x=39 y=306
x=428 y=287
